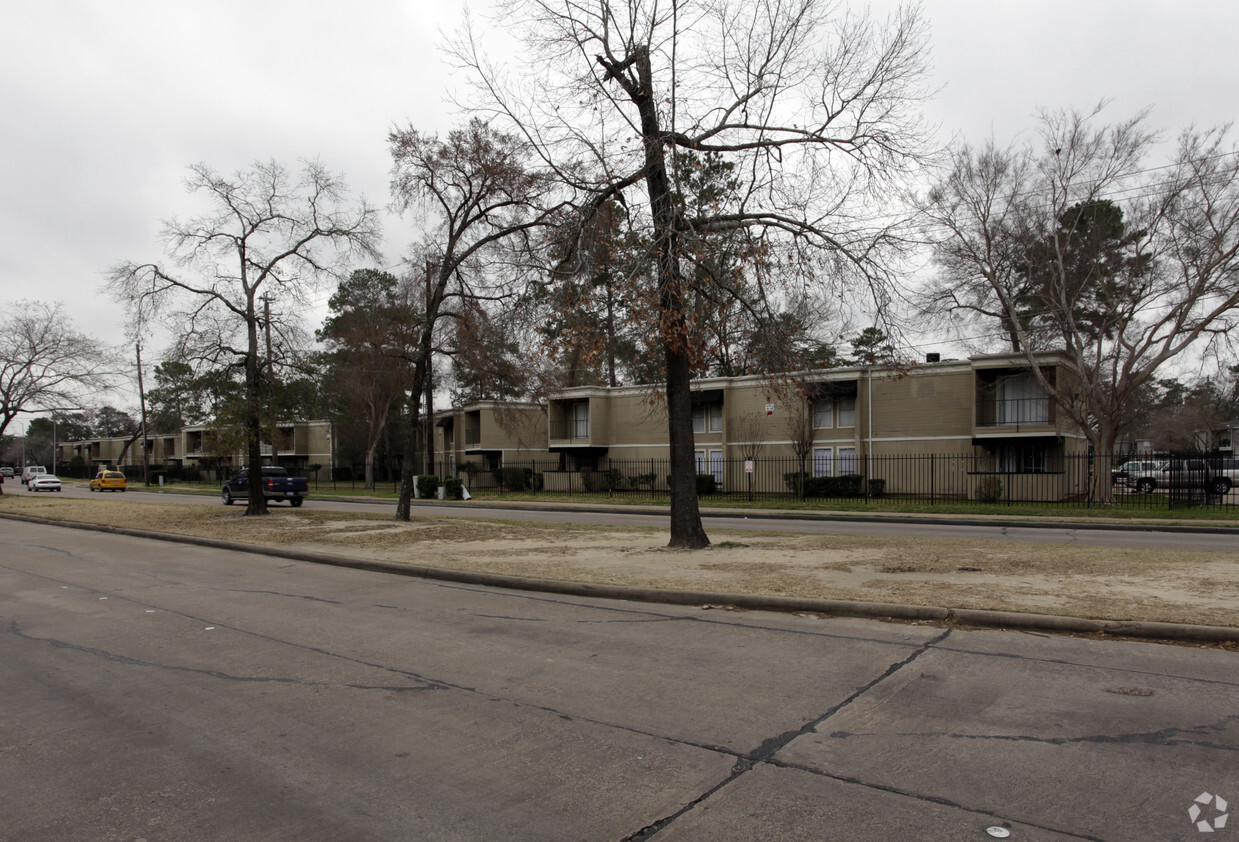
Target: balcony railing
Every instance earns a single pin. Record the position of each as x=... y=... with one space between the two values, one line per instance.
x=1015 y=412
x=472 y=437
x=574 y=429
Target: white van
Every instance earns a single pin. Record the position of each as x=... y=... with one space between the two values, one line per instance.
x=32 y=471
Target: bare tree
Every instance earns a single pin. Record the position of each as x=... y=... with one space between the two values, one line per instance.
x=814 y=118
x=751 y=431
x=45 y=362
x=799 y=429
x=267 y=233
x=475 y=192
x=1080 y=245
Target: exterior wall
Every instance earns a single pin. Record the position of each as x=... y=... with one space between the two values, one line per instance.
x=490 y=434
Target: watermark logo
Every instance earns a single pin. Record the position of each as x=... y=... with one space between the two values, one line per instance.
x=1208 y=812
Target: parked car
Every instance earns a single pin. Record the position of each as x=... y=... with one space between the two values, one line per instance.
x=276 y=485
x=6 y=472
x=32 y=471
x=109 y=481
x=1216 y=476
x=43 y=482
x=1132 y=468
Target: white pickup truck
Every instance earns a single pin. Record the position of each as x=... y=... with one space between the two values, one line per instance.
x=1215 y=475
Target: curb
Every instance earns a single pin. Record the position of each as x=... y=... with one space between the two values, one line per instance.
x=754 y=602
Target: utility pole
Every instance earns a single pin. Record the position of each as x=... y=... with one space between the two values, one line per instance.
x=146 y=462
x=430 y=392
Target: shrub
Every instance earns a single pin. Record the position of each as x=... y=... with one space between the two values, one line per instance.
x=597 y=481
x=706 y=485
x=989 y=490
x=847 y=485
x=513 y=478
x=454 y=488
x=427 y=485
x=643 y=480
x=877 y=488
x=793 y=479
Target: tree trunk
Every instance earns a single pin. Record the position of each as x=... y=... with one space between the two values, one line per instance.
x=257 y=503
x=1101 y=489
x=412 y=430
x=686 y=529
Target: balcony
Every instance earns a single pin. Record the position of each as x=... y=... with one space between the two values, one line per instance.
x=473 y=437
x=573 y=430
x=1015 y=414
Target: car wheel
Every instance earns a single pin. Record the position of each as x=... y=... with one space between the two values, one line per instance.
x=1221 y=486
x=227 y=497
x=1146 y=486
x=295 y=502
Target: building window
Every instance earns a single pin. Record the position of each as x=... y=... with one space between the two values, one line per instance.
x=699 y=459
x=823 y=413
x=1021 y=400
x=716 y=466
x=847 y=411
x=822 y=466
x=580 y=420
x=1022 y=459
x=847 y=461
x=708 y=416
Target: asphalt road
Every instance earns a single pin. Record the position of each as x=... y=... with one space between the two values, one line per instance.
x=152 y=691
x=893 y=528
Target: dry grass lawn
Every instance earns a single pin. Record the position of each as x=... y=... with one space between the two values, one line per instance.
x=1186 y=586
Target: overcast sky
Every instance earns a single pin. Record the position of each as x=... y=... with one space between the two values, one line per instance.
x=106 y=103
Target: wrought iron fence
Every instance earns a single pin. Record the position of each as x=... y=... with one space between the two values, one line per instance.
x=1152 y=483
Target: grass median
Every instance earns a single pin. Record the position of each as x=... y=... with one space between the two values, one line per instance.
x=1182 y=586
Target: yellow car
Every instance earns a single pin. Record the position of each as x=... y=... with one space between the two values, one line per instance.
x=108 y=481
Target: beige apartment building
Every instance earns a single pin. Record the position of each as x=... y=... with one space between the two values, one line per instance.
x=938 y=427
x=300 y=445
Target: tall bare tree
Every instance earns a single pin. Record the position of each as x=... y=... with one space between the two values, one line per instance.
x=476 y=195
x=45 y=361
x=268 y=232
x=813 y=113
x=1081 y=244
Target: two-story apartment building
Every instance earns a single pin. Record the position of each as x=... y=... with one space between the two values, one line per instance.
x=986 y=415
x=300 y=444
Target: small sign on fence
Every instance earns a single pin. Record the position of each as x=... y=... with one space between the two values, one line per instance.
x=748 y=466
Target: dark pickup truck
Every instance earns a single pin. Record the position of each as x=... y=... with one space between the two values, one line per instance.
x=276 y=485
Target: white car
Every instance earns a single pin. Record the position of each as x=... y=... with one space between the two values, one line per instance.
x=43 y=482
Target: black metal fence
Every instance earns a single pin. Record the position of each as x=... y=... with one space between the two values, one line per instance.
x=1153 y=483
x=929 y=479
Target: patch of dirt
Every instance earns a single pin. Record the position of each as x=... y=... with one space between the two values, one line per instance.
x=1184 y=586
